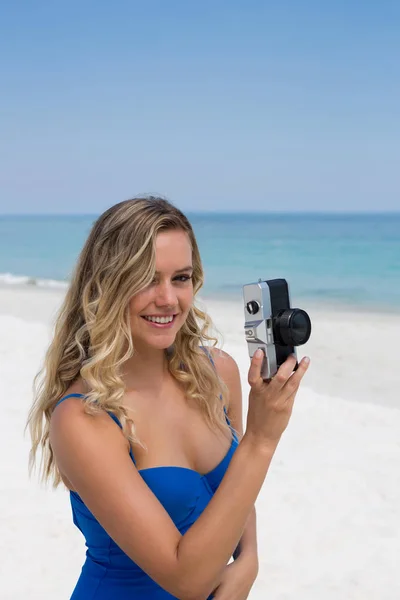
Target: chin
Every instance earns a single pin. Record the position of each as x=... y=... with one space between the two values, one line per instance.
x=159 y=342
x=164 y=345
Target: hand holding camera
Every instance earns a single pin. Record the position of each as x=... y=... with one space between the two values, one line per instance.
x=271 y=402
x=273 y=330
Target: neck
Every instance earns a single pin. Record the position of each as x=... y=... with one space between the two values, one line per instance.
x=146 y=369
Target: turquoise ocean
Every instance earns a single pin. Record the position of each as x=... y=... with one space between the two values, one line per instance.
x=342 y=261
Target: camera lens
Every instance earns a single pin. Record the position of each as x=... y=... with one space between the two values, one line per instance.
x=292 y=327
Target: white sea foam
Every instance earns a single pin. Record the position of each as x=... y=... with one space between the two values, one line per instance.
x=21 y=280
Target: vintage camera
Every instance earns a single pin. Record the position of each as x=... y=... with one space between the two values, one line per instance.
x=272 y=325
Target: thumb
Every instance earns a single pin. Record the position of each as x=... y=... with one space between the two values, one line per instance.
x=254 y=378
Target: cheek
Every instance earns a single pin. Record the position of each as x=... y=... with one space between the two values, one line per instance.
x=187 y=299
x=132 y=307
x=137 y=304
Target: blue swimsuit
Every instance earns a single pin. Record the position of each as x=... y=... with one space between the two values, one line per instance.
x=108 y=573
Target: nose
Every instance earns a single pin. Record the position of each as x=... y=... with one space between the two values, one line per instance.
x=166 y=295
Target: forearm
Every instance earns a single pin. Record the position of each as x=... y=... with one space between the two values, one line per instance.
x=248 y=542
x=205 y=549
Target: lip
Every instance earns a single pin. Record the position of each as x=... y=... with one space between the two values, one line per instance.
x=163 y=315
x=159 y=325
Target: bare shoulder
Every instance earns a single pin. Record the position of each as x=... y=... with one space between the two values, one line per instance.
x=74 y=433
x=71 y=413
x=228 y=371
x=226 y=366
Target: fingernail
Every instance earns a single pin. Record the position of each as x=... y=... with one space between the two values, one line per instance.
x=306 y=360
x=258 y=353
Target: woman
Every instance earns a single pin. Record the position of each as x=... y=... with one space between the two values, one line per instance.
x=141 y=421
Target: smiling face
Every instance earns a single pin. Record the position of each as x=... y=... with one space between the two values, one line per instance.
x=159 y=311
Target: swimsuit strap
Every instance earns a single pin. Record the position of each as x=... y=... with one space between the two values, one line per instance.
x=205 y=349
x=69 y=396
x=114 y=417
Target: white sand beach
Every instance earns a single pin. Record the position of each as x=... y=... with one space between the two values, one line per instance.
x=329 y=512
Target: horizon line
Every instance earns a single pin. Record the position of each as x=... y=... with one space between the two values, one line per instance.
x=222 y=213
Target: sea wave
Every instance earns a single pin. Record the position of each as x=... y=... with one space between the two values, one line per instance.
x=22 y=280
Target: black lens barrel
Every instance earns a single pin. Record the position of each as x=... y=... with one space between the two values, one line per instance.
x=292 y=327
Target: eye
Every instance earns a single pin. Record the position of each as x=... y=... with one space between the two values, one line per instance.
x=182 y=278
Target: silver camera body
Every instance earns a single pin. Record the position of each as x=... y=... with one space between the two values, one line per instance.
x=272 y=325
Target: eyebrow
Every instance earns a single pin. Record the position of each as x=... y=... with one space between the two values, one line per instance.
x=188 y=268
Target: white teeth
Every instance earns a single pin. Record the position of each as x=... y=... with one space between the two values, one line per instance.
x=159 y=319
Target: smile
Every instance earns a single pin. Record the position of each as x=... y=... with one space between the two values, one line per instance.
x=163 y=322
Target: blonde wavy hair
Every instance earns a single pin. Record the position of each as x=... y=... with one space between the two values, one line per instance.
x=92 y=333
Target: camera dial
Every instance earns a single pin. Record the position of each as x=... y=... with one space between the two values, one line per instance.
x=292 y=327
x=253 y=307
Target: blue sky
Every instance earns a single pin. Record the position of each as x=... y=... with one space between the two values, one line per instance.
x=228 y=106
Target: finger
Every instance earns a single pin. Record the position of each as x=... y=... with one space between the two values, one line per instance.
x=254 y=376
x=289 y=402
x=284 y=372
x=293 y=382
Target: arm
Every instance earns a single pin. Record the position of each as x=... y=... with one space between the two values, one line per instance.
x=93 y=455
x=228 y=371
x=247 y=547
